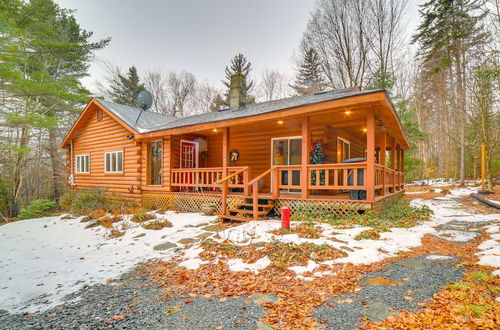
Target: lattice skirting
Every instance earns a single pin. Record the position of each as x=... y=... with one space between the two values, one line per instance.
x=318 y=210
x=186 y=202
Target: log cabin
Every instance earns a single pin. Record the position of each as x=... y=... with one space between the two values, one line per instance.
x=338 y=152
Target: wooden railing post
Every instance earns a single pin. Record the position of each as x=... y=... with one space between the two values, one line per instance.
x=225 y=150
x=255 y=199
x=402 y=169
x=370 y=159
x=274 y=180
x=306 y=142
x=382 y=160
x=245 y=183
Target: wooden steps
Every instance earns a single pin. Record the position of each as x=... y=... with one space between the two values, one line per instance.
x=245 y=211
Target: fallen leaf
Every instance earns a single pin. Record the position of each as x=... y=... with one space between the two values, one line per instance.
x=52 y=315
x=223 y=299
x=119 y=317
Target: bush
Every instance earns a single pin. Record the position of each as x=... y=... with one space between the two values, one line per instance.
x=142 y=216
x=38 y=208
x=84 y=201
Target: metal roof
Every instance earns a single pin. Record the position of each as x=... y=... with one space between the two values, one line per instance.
x=129 y=115
x=152 y=121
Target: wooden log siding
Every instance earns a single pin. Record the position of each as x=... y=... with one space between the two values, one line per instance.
x=95 y=137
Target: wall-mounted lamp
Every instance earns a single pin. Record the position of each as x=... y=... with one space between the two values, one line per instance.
x=130 y=137
x=347 y=112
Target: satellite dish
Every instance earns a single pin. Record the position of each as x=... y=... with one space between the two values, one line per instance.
x=144 y=100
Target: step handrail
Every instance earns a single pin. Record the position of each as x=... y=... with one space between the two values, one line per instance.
x=232 y=175
x=263 y=174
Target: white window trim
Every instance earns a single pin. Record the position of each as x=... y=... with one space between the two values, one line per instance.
x=114 y=152
x=77 y=162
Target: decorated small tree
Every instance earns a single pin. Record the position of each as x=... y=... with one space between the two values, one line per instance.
x=317 y=156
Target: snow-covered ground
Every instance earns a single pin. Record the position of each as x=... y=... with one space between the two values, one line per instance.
x=42 y=260
x=363 y=251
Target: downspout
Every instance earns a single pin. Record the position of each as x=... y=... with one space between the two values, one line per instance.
x=71 y=175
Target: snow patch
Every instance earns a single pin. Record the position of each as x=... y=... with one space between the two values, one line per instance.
x=50 y=257
x=237 y=265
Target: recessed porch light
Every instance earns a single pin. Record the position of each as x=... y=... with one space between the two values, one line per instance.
x=214 y=130
x=280 y=122
x=365 y=130
x=347 y=112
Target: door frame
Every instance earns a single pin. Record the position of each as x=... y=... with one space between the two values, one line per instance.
x=197 y=148
x=295 y=137
x=346 y=142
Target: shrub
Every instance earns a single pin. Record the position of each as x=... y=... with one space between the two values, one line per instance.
x=84 y=201
x=142 y=216
x=157 y=224
x=38 y=208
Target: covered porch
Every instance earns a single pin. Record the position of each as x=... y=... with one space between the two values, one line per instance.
x=263 y=161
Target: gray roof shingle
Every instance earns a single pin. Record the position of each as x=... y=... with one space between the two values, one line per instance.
x=152 y=122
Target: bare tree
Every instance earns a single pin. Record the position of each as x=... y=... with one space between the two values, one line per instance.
x=156 y=83
x=273 y=85
x=338 y=31
x=204 y=98
x=386 y=35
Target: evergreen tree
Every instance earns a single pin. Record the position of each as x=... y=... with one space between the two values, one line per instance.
x=449 y=31
x=309 y=78
x=124 y=88
x=240 y=65
x=43 y=55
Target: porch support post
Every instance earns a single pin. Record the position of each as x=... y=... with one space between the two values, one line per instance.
x=402 y=169
x=225 y=147
x=383 y=149
x=398 y=167
x=306 y=142
x=393 y=164
x=370 y=155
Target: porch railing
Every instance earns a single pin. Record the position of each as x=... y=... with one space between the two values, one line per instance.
x=208 y=177
x=327 y=177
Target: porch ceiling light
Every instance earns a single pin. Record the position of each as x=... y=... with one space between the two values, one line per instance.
x=280 y=122
x=214 y=130
x=347 y=112
x=365 y=130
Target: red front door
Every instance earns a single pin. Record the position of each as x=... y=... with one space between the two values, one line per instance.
x=189 y=159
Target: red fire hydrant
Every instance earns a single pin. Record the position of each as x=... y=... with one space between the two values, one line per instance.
x=285 y=217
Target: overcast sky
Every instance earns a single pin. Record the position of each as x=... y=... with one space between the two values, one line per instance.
x=197 y=36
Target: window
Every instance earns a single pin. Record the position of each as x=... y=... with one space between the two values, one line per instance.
x=82 y=163
x=155 y=151
x=113 y=162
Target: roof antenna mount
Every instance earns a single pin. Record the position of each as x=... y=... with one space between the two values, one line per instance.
x=144 y=101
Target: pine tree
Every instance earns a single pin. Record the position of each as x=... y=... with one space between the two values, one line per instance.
x=240 y=65
x=124 y=88
x=43 y=55
x=309 y=78
x=449 y=31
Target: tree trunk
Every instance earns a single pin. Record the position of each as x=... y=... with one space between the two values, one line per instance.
x=54 y=163
x=17 y=173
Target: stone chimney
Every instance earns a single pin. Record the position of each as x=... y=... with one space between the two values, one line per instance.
x=237 y=91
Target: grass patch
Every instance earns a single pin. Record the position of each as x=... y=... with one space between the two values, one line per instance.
x=304 y=230
x=282 y=255
x=116 y=233
x=368 y=234
x=157 y=224
x=142 y=216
